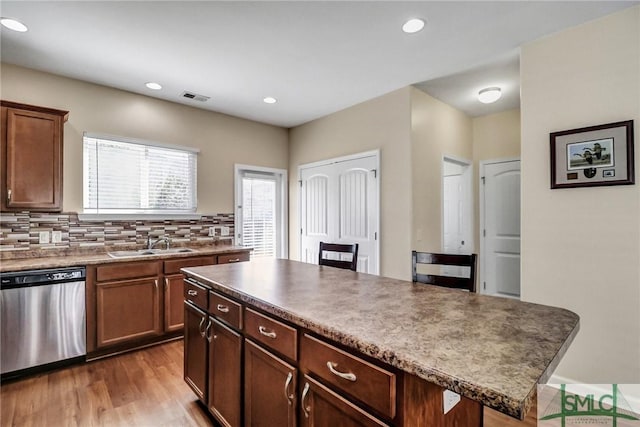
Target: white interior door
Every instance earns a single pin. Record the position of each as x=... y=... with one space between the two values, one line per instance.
x=339 y=204
x=500 y=255
x=457 y=214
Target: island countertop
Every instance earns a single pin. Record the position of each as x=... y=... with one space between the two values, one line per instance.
x=489 y=349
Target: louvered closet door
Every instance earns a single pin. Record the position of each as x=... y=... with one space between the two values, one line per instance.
x=339 y=204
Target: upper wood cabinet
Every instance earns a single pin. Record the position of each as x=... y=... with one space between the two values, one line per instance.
x=31 y=157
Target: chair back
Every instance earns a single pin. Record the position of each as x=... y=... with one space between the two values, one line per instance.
x=340 y=249
x=468 y=283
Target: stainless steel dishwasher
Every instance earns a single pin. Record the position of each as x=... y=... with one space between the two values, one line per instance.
x=42 y=320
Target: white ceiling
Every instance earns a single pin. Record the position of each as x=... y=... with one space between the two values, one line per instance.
x=314 y=57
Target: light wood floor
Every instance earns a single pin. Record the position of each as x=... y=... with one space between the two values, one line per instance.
x=143 y=388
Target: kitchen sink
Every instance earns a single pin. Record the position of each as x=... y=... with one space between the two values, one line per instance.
x=147 y=252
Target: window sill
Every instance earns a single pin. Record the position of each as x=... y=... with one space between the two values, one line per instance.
x=132 y=217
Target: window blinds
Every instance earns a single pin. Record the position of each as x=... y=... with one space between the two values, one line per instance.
x=121 y=176
x=259 y=215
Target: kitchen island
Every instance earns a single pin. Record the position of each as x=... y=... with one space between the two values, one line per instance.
x=492 y=351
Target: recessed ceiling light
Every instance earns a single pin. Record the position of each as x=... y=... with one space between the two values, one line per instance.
x=153 y=85
x=413 y=25
x=489 y=95
x=269 y=100
x=14 y=25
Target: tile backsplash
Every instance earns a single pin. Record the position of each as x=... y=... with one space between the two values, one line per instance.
x=21 y=230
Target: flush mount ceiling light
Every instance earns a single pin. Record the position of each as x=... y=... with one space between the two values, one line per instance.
x=269 y=100
x=153 y=85
x=14 y=25
x=413 y=25
x=489 y=95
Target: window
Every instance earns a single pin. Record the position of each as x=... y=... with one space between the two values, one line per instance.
x=127 y=176
x=261 y=207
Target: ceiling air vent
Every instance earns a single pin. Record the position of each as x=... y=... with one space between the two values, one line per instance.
x=195 y=96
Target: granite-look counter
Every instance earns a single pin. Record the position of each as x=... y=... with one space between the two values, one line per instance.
x=489 y=349
x=70 y=258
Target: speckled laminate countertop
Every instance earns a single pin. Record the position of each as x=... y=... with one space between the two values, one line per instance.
x=489 y=349
x=71 y=258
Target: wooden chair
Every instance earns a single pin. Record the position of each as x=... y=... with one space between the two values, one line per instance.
x=468 y=283
x=342 y=249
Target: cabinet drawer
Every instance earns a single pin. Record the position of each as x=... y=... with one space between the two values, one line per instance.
x=197 y=294
x=358 y=378
x=173 y=266
x=270 y=332
x=130 y=270
x=230 y=258
x=225 y=309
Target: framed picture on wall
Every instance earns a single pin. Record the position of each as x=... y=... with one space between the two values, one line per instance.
x=593 y=156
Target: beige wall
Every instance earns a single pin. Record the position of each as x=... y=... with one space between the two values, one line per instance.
x=382 y=123
x=437 y=129
x=581 y=247
x=223 y=140
x=496 y=136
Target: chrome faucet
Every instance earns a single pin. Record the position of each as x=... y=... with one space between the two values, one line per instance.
x=151 y=244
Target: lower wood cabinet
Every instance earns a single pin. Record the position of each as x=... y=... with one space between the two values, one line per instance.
x=195 y=350
x=127 y=310
x=269 y=389
x=322 y=407
x=225 y=374
x=173 y=299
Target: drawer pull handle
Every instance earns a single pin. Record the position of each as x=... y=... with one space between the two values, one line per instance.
x=207 y=331
x=267 y=333
x=201 y=328
x=305 y=409
x=222 y=308
x=192 y=293
x=166 y=284
x=9 y=195
x=287 y=383
x=234 y=260
x=349 y=376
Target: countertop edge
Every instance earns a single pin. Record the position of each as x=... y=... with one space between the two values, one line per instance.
x=23 y=264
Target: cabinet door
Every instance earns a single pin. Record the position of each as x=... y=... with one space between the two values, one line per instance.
x=322 y=407
x=173 y=302
x=269 y=389
x=225 y=374
x=33 y=160
x=127 y=310
x=195 y=350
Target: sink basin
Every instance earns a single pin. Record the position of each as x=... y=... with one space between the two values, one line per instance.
x=147 y=252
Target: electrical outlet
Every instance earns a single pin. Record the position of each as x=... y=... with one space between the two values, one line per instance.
x=212 y=231
x=43 y=237
x=449 y=400
x=56 y=236
x=224 y=231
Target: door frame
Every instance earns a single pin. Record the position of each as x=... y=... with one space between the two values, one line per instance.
x=467 y=179
x=282 y=207
x=481 y=196
x=355 y=156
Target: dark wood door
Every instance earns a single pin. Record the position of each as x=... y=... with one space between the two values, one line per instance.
x=195 y=350
x=127 y=310
x=322 y=407
x=173 y=302
x=269 y=389
x=32 y=158
x=225 y=374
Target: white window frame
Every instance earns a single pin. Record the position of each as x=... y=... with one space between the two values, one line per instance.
x=147 y=214
x=282 y=221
